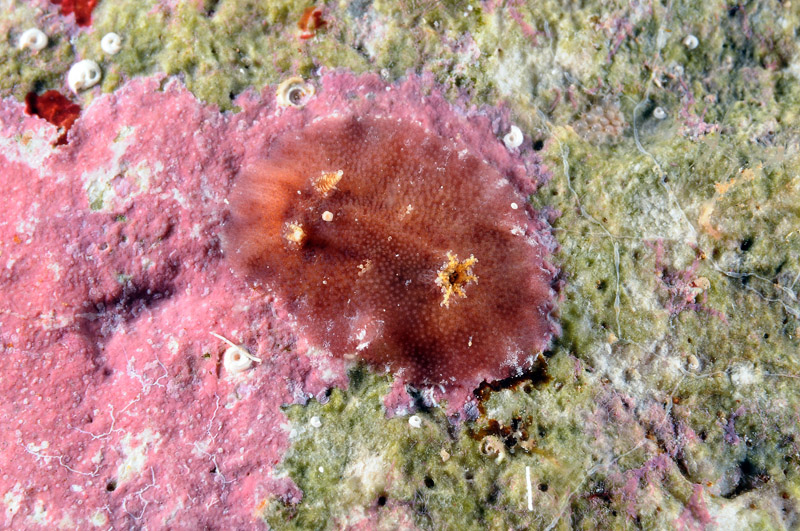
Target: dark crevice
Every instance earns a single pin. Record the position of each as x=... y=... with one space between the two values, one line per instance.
x=750 y=478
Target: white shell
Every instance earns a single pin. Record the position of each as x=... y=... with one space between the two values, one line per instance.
x=414 y=421
x=83 y=74
x=111 y=43
x=33 y=38
x=659 y=113
x=236 y=360
x=514 y=138
x=691 y=42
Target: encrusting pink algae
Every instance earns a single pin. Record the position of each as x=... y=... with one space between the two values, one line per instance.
x=131 y=281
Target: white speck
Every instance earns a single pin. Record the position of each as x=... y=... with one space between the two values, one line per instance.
x=33 y=38
x=513 y=139
x=743 y=374
x=659 y=113
x=321 y=470
x=530 y=490
x=327 y=216
x=315 y=422
x=414 y=421
x=83 y=74
x=111 y=43
x=514 y=206
x=76 y=488
x=691 y=42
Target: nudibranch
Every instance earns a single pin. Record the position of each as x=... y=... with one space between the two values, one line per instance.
x=395 y=245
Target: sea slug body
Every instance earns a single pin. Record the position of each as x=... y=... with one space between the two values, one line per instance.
x=389 y=242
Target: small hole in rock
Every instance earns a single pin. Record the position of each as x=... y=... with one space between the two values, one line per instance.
x=429 y=482
x=111 y=486
x=382 y=501
x=543 y=487
x=538 y=145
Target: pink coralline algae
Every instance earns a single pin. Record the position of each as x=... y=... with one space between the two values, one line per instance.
x=117 y=409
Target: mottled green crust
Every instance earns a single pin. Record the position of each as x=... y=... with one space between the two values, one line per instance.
x=673 y=395
x=359 y=464
x=24 y=70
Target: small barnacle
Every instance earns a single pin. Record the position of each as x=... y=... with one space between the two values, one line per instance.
x=111 y=43
x=32 y=38
x=513 y=138
x=236 y=358
x=493 y=446
x=691 y=42
x=294 y=92
x=453 y=276
x=327 y=181
x=83 y=74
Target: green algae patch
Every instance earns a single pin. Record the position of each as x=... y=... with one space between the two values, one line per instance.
x=25 y=70
x=219 y=51
x=681 y=260
x=558 y=452
x=674 y=387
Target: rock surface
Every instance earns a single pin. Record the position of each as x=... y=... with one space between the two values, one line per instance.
x=670 y=132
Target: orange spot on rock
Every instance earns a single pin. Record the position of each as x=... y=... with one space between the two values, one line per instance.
x=310 y=22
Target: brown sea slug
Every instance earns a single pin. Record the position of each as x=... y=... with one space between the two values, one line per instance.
x=393 y=244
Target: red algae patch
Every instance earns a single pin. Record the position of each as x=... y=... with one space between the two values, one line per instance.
x=55 y=108
x=81 y=8
x=396 y=245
